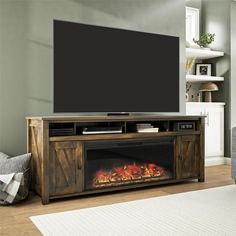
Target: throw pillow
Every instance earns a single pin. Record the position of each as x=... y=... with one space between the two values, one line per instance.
x=3 y=155
x=14 y=164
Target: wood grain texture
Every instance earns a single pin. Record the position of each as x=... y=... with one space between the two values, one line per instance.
x=188 y=157
x=117 y=136
x=16 y=218
x=94 y=118
x=45 y=170
x=58 y=162
x=65 y=168
x=201 y=124
x=34 y=147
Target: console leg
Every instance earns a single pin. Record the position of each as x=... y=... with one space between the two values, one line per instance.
x=201 y=179
x=45 y=201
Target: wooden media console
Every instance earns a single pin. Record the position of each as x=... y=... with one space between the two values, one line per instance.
x=66 y=162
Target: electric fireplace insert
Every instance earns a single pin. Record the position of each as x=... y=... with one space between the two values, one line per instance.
x=112 y=164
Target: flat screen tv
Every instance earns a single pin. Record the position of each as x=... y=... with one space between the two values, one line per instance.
x=102 y=69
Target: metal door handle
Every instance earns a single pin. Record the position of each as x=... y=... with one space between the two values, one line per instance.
x=208 y=119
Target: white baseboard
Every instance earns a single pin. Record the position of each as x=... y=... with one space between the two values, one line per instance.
x=214 y=161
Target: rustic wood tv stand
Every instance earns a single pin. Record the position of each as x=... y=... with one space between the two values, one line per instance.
x=64 y=161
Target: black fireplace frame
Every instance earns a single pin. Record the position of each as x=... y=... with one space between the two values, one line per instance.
x=107 y=144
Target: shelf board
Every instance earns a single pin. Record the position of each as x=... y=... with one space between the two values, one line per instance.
x=203 y=78
x=205 y=103
x=202 y=53
x=118 y=136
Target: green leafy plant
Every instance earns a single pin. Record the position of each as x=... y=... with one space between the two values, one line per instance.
x=205 y=39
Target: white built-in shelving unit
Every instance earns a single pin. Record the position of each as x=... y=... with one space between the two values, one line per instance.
x=202 y=54
x=213 y=112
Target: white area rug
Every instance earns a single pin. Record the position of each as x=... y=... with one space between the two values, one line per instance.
x=205 y=212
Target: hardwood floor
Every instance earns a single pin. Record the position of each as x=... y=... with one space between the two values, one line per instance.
x=14 y=220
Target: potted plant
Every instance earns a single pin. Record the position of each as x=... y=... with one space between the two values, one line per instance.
x=205 y=40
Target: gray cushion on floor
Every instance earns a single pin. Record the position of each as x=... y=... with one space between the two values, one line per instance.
x=17 y=164
x=14 y=164
x=3 y=155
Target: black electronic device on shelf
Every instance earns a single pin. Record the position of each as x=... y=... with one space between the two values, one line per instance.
x=184 y=126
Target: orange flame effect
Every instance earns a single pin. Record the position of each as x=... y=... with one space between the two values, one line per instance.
x=127 y=173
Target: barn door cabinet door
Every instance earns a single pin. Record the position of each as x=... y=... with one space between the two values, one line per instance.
x=66 y=168
x=188 y=154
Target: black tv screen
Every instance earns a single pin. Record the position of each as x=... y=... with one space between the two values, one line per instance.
x=101 y=69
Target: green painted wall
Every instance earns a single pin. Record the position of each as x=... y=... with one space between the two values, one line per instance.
x=13 y=74
x=26 y=58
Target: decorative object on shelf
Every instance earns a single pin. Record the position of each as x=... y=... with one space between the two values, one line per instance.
x=205 y=40
x=186 y=97
x=187 y=45
x=199 y=97
x=208 y=88
x=203 y=69
x=188 y=86
x=192 y=98
x=189 y=65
